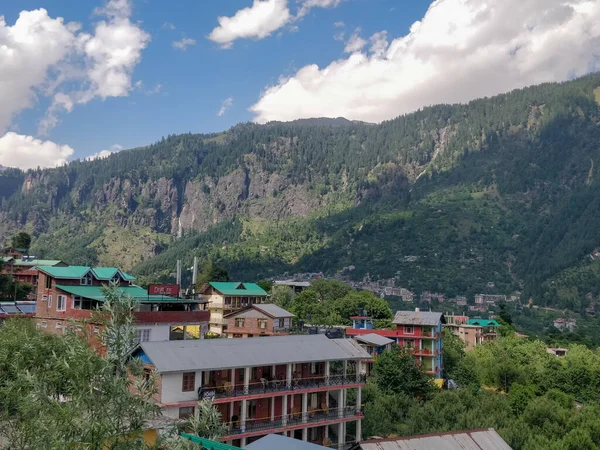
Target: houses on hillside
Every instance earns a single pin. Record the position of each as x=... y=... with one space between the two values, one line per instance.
x=418 y=331
x=472 y=331
x=295 y=385
x=226 y=297
x=565 y=324
x=258 y=320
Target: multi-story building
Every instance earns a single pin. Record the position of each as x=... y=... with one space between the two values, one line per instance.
x=226 y=297
x=258 y=320
x=24 y=270
x=296 y=286
x=374 y=345
x=472 y=332
x=293 y=385
x=72 y=293
x=417 y=330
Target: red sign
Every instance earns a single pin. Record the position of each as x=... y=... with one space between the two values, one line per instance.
x=172 y=290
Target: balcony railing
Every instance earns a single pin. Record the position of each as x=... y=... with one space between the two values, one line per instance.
x=265 y=386
x=426 y=352
x=291 y=420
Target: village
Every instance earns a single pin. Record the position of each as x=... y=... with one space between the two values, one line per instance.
x=302 y=383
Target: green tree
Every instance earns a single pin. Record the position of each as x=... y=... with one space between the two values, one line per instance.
x=211 y=272
x=21 y=240
x=396 y=372
x=282 y=296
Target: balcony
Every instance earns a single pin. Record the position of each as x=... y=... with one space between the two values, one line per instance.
x=426 y=352
x=291 y=421
x=178 y=317
x=259 y=388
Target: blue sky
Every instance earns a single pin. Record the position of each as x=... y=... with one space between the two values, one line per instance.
x=460 y=51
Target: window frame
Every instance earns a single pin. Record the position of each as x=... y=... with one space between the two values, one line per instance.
x=58 y=303
x=186 y=415
x=48 y=282
x=187 y=379
x=411 y=328
x=239 y=322
x=50 y=301
x=263 y=323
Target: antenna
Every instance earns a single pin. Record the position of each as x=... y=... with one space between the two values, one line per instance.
x=179 y=272
x=195 y=272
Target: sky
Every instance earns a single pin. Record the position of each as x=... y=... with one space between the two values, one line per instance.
x=84 y=79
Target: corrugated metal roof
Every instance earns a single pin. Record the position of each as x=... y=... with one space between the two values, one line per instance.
x=207 y=444
x=138 y=293
x=374 y=339
x=238 y=288
x=305 y=284
x=483 y=322
x=279 y=442
x=462 y=440
x=37 y=262
x=417 y=318
x=273 y=310
x=75 y=272
x=210 y=354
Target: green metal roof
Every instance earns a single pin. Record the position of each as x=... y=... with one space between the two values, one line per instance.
x=207 y=444
x=69 y=272
x=239 y=289
x=484 y=322
x=37 y=262
x=138 y=293
x=6 y=258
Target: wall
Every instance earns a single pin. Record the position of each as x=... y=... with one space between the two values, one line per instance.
x=171 y=388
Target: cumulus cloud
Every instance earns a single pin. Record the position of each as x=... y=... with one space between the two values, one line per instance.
x=225 y=106
x=183 y=44
x=355 y=43
x=105 y=153
x=460 y=50
x=262 y=19
x=26 y=152
x=257 y=21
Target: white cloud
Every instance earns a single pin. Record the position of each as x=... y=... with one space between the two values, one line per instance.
x=183 y=44
x=225 y=106
x=155 y=90
x=26 y=152
x=307 y=5
x=168 y=26
x=339 y=24
x=355 y=43
x=105 y=153
x=461 y=49
x=257 y=22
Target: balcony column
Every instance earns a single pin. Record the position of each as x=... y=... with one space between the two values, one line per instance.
x=358 y=370
x=246 y=379
x=284 y=408
x=288 y=377
x=272 y=409
x=341 y=436
x=304 y=408
x=305 y=434
x=243 y=442
x=327 y=368
x=232 y=378
x=345 y=368
x=341 y=404
x=243 y=415
x=358 y=399
x=358 y=430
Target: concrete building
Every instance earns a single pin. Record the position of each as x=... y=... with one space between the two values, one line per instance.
x=294 y=385
x=296 y=286
x=374 y=345
x=226 y=297
x=258 y=320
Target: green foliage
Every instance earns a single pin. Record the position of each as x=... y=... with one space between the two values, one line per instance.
x=396 y=372
x=211 y=272
x=21 y=240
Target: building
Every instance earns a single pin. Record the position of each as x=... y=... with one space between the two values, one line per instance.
x=472 y=332
x=417 y=330
x=280 y=442
x=294 y=385
x=560 y=352
x=481 y=299
x=374 y=345
x=565 y=324
x=72 y=293
x=24 y=270
x=296 y=286
x=485 y=439
x=14 y=252
x=258 y=320
x=226 y=297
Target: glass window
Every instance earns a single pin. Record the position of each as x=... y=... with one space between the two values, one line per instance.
x=409 y=330
x=281 y=323
x=239 y=323
x=44 y=324
x=228 y=300
x=185 y=412
x=86 y=280
x=61 y=303
x=189 y=382
x=262 y=323
x=49 y=301
x=48 y=282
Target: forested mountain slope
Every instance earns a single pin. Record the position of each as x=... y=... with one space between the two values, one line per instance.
x=503 y=190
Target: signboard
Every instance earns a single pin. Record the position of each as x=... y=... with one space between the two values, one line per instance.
x=172 y=290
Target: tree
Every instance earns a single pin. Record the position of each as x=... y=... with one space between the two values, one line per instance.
x=57 y=392
x=396 y=372
x=21 y=240
x=211 y=272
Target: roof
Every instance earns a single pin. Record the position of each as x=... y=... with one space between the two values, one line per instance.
x=6 y=259
x=138 y=293
x=279 y=442
x=74 y=272
x=483 y=322
x=207 y=444
x=486 y=439
x=210 y=354
x=374 y=339
x=238 y=288
x=271 y=310
x=37 y=262
x=418 y=318
x=305 y=284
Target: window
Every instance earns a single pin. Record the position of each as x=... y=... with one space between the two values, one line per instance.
x=237 y=335
x=61 y=303
x=228 y=300
x=281 y=323
x=49 y=301
x=239 y=323
x=255 y=373
x=251 y=409
x=48 y=282
x=409 y=330
x=185 y=412
x=244 y=301
x=44 y=324
x=96 y=330
x=115 y=281
x=189 y=382
x=86 y=280
x=262 y=323
x=59 y=325
x=82 y=303
x=142 y=335
x=44 y=298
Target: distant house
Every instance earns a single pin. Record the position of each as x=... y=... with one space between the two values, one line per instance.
x=297 y=286
x=557 y=351
x=226 y=297
x=419 y=331
x=24 y=270
x=258 y=320
x=472 y=331
x=375 y=345
x=565 y=324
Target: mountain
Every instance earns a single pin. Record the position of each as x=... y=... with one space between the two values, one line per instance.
x=497 y=195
